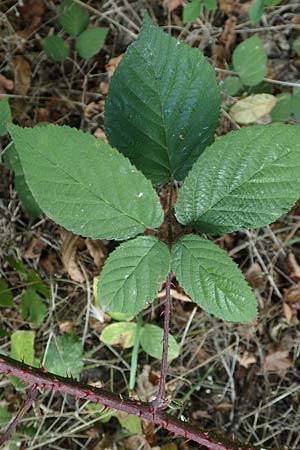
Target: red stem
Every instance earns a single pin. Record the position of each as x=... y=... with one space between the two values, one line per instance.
x=159 y=401
x=39 y=378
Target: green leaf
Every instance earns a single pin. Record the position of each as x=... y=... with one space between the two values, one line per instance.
x=5 y=115
x=6 y=298
x=232 y=85
x=296 y=45
x=151 y=340
x=250 y=61
x=295 y=103
x=56 y=47
x=85 y=185
x=163 y=105
x=36 y=283
x=90 y=42
x=73 y=18
x=132 y=275
x=283 y=108
x=130 y=422
x=121 y=333
x=5 y=416
x=246 y=179
x=210 y=277
x=33 y=307
x=12 y=160
x=210 y=5
x=120 y=317
x=64 y=356
x=191 y=11
x=271 y=2
x=256 y=11
x=22 y=346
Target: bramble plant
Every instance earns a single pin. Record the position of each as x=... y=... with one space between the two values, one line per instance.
x=161 y=115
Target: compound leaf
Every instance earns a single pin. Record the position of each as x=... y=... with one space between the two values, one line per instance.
x=73 y=18
x=163 y=105
x=250 y=61
x=151 y=340
x=91 y=41
x=85 y=185
x=212 y=279
x=133 y=274
x=64 y=356
x=246 y=179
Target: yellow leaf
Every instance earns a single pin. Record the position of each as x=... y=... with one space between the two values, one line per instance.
x=252 y=108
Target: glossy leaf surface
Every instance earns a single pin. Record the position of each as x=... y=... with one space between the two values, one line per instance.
x=163 y=105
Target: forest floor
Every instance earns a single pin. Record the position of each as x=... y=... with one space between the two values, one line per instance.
x=243 y=380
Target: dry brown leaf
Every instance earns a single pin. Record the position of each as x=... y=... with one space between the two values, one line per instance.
x=224 y=407
x=68 y=251
x=35 y=248
x=255 y=276
x=91 y=110
x=97 y=250
x=292 y=295
x=145 y=387
x=289 y=313
x=234 y=6
x=294 y=266
x=252 y=108
x=31 y=15
x=278 y=360
x=103 y=87
x=228 y=37
x=22 y=74
x=99 y=133
x=113 y=64
x=135 y=442
x=5 y=84
x=246 y=359
x=66 y=326
x=172 y=4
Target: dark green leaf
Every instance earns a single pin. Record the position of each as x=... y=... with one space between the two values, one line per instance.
x=283 y=108
x=151 y=340
x=132 y=275
x=33 y=307
x=85 y=185
x=271 y=2
x=191 y=11
x=5 y=416
x=6 y=298
x=250 y=61
x=212 y=279
x=246 y=179
x=56 y=47
x=163 y=105
x=13 y=162
x=130 y=422
x=64 y=356
x=90 y=42
x=73 y=18
x=22 y=346
x=256 y=11
x=295 y=106
x=5 y=115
